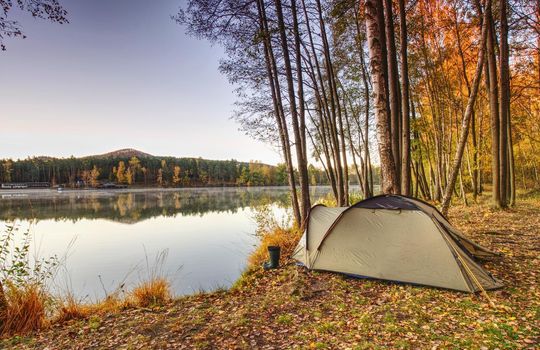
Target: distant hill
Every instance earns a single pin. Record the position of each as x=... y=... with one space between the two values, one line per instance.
x=123 y=153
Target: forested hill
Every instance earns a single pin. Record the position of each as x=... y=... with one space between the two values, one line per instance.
x=133 y=167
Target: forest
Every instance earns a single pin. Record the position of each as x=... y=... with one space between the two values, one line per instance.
x=141 y=169
x=442 y=95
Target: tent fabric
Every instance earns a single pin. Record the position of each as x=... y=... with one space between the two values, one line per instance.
x=392 y=238
x=403 y=202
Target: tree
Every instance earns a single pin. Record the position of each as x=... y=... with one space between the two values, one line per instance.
x=508 y=192
x=121 y=172
x=377 y=54
x=94 y=176
x=493 y=91
x=44 y=9
x=176 y=175
x=129 y=176
x=134 y=166
x=405 y=114
x=468 y=112
x=302 y=65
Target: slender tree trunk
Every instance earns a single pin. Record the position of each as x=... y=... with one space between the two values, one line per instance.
x=504 y=114
x=368 y=190
x=299 y=150
x=374 y=16
x=493 y=110
x=273 y=81
x=466 y=119
x=474 y=171
x=393 y=86
x=511 y=164
x=406 y=146
x=336 y=117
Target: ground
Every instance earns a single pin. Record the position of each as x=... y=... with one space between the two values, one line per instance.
x=295 y=308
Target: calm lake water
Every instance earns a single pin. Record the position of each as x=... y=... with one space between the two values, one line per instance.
x=110 y=237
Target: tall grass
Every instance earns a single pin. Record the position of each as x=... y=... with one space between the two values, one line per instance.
x=71 y=308
x=24 y=298
x=273 y=231
x=152 y=292
x=154 y=288
x=26 y=304
x=286 y=239
x=24 y=310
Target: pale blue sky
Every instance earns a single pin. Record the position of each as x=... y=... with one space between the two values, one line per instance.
x=120 y=74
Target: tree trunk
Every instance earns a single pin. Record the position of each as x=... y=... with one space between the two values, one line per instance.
x=374 y=16
x=504 y=71
x=278 y=109
x=405 y=125
x=393 y=86
x=493 y=110
x=301 y=158
x=456 y=166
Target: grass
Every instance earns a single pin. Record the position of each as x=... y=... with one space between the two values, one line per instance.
x=286 y=239
x=151 y=293
x=24 y=309
x=72 y=309
x=26 y=306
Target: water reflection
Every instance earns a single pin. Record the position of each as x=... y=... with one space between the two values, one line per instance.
x=208 y=233
x=132 y=206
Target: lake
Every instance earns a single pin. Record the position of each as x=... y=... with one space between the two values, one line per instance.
x=110 y=238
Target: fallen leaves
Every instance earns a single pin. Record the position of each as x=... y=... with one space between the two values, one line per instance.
x=297 y=309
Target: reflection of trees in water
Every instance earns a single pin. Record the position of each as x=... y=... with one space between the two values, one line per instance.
x=131 y=207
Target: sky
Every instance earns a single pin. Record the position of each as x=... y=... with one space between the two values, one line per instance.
x=121 y=74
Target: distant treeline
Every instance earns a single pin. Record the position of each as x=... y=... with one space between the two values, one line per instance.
x=147 y=171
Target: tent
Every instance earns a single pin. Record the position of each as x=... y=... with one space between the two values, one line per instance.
x=394 y=238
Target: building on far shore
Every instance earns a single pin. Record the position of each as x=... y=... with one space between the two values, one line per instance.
x=20 y=185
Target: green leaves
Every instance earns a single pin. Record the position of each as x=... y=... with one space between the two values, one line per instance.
x=17 y=264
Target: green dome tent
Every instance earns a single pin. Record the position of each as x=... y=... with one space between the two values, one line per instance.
x=394 y=238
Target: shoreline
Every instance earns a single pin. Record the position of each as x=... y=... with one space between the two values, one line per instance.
x=27 y=191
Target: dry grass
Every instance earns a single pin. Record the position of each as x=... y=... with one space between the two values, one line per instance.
x=287 y=239
x=24 y=311
x=72 y=309
x=155 y=291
